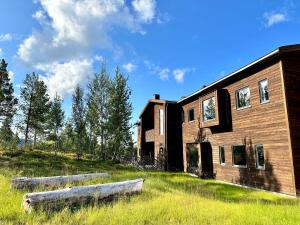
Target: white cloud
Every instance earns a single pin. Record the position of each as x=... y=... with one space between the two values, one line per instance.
x=272 y=18
x=72 y=29
x=179 y=74
x=145 y=9
x=5 y=37
x=129 y=67
x=11 y=74
x=99 y=58
x=1 y=53
x=61 y=78
x=164 y=73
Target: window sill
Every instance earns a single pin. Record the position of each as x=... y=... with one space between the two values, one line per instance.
x=223 y=164
x=192 y=121
x=206 y=121
x=237 y=166
x=266 y=102
x=261 y=168
x=246 y=107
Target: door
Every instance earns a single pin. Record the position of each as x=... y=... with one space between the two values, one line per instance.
x=206 y=160
x=192 y=156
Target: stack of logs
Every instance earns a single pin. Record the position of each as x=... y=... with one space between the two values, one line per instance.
x=72 y=196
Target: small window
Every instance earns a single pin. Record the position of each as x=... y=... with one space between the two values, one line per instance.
x=182 y=116
x=222 y=155
x=243 y=98
x=191 y=115
x=260 y=157
x=239 y=156
x=264 y=91
x=208 y=109
x=161 y=121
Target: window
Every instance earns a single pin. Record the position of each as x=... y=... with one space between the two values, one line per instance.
x=239 y=156
x=191 y=115
x=161 y=121
x=264 y=91
x=182 y=116
x=208 y=109
x=243 y=98
x=259 y=155
x=222 y=155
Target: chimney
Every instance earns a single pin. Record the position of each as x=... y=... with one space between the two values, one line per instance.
x=156 y=96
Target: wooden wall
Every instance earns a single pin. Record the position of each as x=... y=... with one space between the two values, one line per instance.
x=291 y=71
x=259 y=124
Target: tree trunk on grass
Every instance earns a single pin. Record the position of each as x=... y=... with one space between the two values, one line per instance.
x=57 y=181
x=52 y=200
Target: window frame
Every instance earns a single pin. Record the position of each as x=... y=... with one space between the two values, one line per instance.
x=256 y=158
x=189 y=119
x=237 y=98
x=259 y=90
x=220 y=158
x=232 y=152
x=204 y=120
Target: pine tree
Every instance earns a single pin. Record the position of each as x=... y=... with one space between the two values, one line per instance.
x=120 y=114
x=55 y=119
x=79 y=119
x=34 y=105
x=68 y=136
x=6 y=133
x=97 y=112
x=8 y=102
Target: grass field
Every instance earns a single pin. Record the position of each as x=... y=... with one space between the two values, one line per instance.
x=167 y=198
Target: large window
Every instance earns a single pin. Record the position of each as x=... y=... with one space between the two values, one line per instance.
x=243 y=98
x=260 y=157
x=222 y=155
x=239 y=155
x=208 y=109
x=264 y=91
x=161 y=121
x=191 y=114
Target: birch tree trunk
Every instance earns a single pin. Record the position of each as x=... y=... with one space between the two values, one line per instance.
x=80 y=195
x=57 y=181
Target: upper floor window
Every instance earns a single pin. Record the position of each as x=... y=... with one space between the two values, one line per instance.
x=208 y=109
x=222 y=155
x=239 y=156
x=191 y=115
x=182 y=116
x=260 y=157
x=161 y=121
x=264 y=91
x=243 y=98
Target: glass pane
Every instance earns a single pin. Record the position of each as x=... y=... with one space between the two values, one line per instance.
x=260 y=158
x=239 y=155
x=264 y=91
x=243 y=97
x=161 y=121
x=191 y=114
x=222 y=155
x=208 y=106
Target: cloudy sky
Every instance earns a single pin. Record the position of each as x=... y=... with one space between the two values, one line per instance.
x=167 y=47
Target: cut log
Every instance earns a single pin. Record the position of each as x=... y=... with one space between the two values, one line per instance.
x=57 y=181
x=80 y=195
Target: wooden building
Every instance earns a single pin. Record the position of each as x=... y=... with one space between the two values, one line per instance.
x=243 y=128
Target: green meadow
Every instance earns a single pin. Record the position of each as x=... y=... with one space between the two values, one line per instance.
x=167 y=198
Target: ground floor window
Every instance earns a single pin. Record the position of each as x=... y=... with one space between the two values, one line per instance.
x=260 y=157
x=222 y=155
x=239 y=156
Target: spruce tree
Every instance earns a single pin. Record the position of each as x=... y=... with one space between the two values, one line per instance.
x=120 y=114
x=8 y=102
x=79 y=119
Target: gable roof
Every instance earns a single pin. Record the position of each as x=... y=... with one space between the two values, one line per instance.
x=156 y=101
x=276 y=52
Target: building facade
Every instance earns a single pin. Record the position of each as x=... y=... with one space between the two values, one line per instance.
x=244 y=128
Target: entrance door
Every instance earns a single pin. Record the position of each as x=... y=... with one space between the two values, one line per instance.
x=192 y=156
x=206 y=160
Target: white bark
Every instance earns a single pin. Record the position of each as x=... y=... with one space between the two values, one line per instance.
x=41 y=182
x=80 y=194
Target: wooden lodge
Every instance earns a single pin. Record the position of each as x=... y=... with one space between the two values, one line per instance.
x=242 y=129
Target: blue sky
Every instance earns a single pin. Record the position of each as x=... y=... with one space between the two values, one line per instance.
x=167 y=47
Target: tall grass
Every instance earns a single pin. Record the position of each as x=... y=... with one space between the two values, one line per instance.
x=167 y=198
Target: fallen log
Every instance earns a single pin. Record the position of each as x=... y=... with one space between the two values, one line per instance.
x=68 y=197
x=51 y=182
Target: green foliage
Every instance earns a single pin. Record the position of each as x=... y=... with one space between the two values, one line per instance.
x=34 y=105
x=8 y=102
x=167 y=198
x=120 y=114
x=79 y=119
